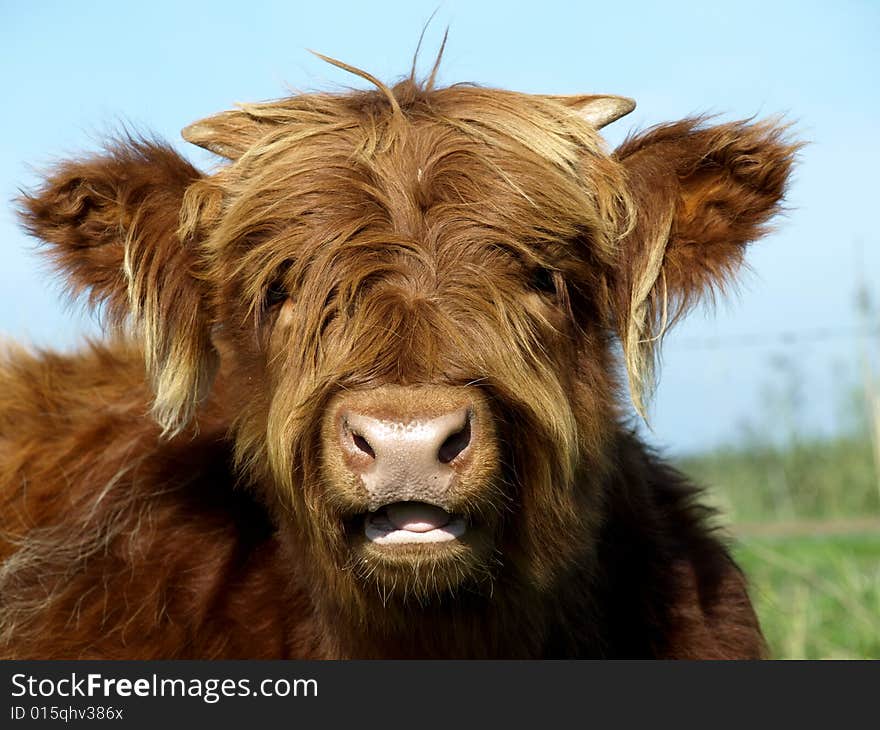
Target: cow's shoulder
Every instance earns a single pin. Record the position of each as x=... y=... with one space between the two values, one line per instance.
x=673 y=588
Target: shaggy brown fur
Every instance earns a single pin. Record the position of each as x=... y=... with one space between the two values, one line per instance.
x=404 y=243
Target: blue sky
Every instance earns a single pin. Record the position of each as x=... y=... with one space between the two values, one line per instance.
x=72 y=72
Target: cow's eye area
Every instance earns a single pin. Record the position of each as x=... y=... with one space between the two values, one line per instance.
x=276 y=293
x=543 y=280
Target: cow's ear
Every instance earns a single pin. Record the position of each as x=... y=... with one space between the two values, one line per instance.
x=112 y=225
x=700 y=195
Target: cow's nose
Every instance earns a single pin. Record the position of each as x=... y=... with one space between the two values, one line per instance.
x=406 y=458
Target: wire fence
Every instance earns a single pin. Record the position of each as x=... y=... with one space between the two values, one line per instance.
x=766 y=339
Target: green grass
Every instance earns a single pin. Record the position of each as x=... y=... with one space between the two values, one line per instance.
x=808 y=519
x=817 y=597
x=805 y=479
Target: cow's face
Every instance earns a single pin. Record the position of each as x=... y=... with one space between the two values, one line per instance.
x=414 y=294
x=414 y=306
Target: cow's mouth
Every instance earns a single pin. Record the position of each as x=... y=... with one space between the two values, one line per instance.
x=419 y=548
x=412 y=523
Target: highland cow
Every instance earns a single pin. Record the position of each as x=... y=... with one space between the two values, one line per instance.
x=364 y=387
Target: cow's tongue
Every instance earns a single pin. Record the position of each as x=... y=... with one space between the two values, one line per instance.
x=416 y=516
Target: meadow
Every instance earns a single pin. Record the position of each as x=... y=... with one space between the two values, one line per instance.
x=804 y=518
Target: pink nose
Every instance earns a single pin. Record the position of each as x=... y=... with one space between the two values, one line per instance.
x=406 y=459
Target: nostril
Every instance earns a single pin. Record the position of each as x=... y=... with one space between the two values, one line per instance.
x=455 y=443
x=363 y=445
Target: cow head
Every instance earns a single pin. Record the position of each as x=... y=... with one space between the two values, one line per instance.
x=414 y=295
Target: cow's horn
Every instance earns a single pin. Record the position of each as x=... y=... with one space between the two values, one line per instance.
x=599 y=110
